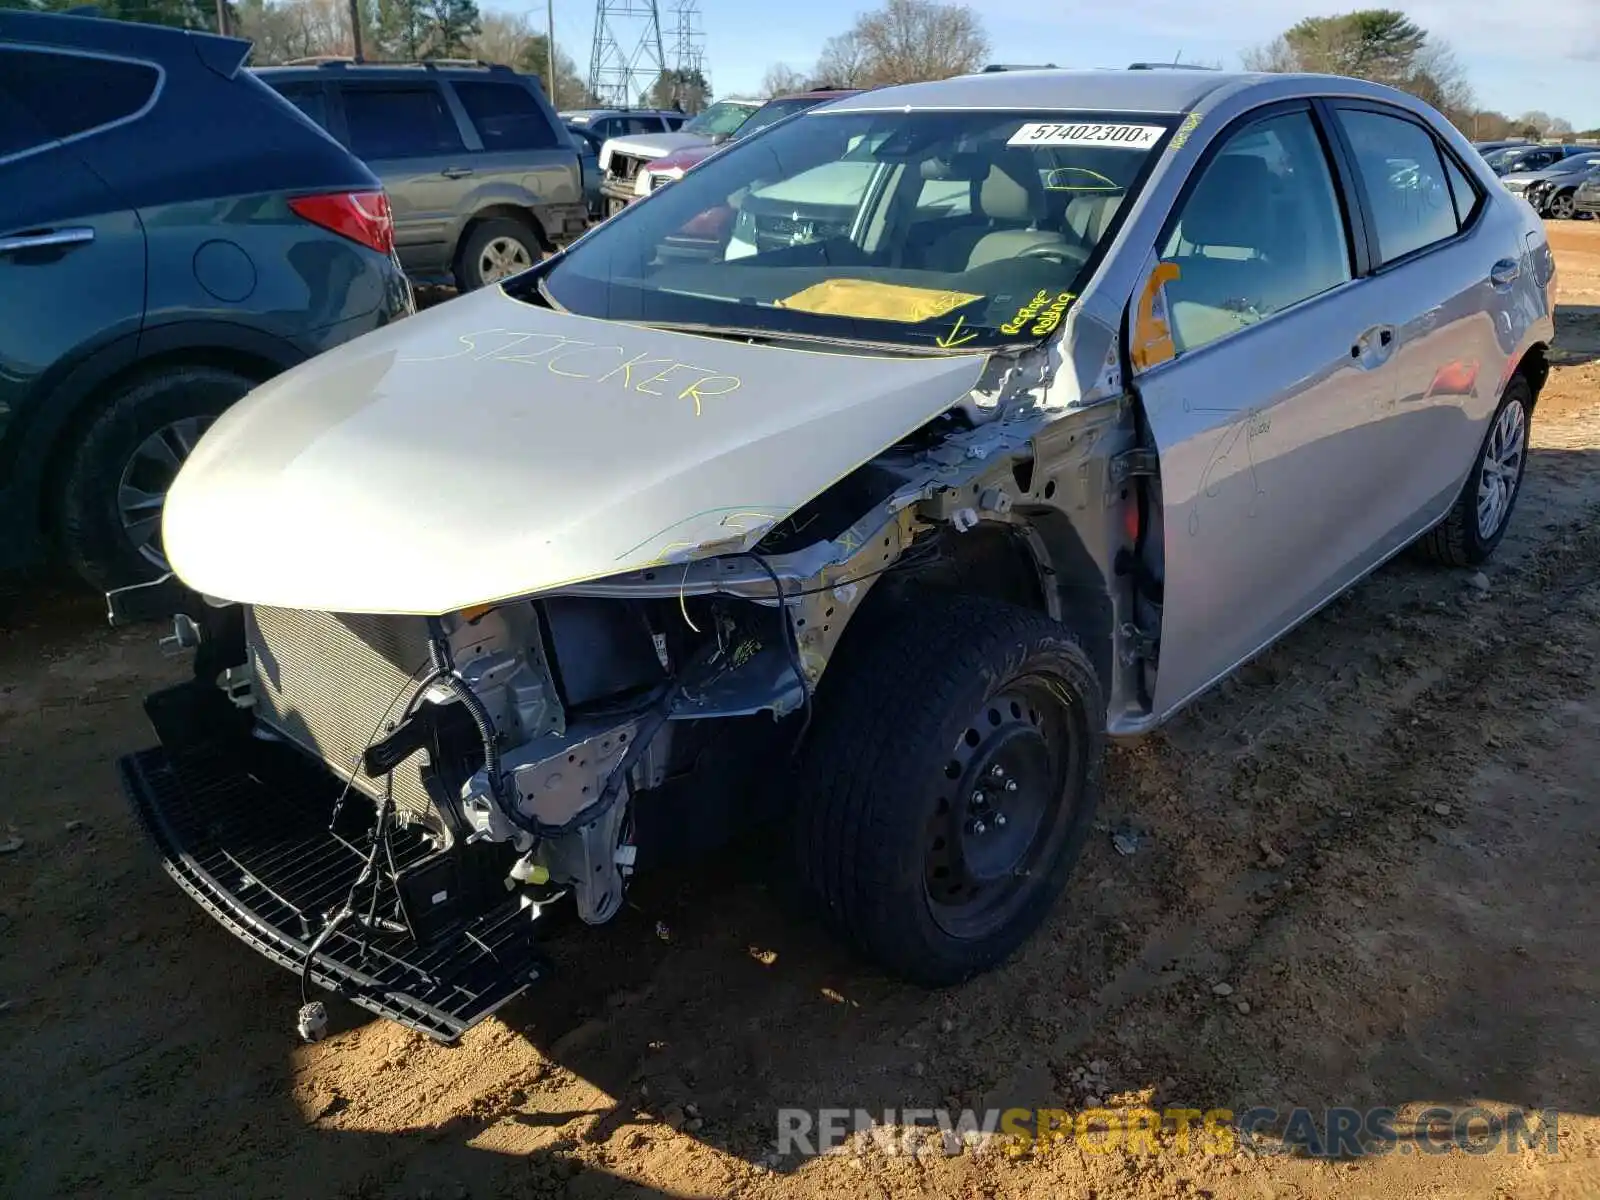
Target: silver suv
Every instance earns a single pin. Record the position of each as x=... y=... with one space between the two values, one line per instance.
x=482 y=177
x=863 y=481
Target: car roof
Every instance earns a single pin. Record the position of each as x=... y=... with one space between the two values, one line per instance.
x=1164 y=91
x=90 y=32
x=335 y=67
x=817 y=94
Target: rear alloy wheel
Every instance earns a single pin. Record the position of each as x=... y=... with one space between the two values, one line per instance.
x=950 y=782
x=1477 y=521
x=1562 y=206
x=495 y=252
x=122 y=465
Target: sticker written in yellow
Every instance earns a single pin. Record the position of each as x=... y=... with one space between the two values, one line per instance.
x=874 y=301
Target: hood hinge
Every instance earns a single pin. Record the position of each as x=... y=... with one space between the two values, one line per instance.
x=1138 y=461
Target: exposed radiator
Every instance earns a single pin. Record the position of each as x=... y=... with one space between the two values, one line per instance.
x=333 y=683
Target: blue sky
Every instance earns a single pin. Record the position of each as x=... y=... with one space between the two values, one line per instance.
x=1519 y=56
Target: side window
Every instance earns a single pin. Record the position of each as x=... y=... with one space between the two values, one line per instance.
x=19 y=132
x=506 y=116
x=72 y=94
x=944 y=198
x=398 y=122
x=607 y=128
x=309 y=98
x=1261 y=231
x=1400 y=168
x=1462 y=190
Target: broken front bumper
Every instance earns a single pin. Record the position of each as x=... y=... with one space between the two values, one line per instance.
x=243 y=826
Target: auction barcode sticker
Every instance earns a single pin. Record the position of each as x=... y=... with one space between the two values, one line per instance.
x=1047 y=133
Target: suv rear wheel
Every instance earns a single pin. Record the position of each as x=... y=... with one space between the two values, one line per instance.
x=497 y=250
x=117 y=478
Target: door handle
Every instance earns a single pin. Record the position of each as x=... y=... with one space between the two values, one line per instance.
x=1366 y=348
x=456 y=172
x=76 y=235
x=1504 y=273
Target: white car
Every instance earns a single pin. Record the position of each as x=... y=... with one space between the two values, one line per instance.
x=621 y=157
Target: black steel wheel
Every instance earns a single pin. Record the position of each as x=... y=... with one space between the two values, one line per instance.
x=952 y=777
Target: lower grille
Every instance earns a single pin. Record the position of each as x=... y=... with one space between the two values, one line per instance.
x=332 y=683
x=244 y=830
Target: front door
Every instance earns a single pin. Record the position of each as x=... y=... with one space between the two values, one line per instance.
x=1263 y=370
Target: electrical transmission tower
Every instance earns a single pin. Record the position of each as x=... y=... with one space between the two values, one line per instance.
x=688 y=41
x=627 y=58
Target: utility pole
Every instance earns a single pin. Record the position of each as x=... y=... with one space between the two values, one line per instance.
x=355 y=27
x=222 y=17
x=550 y=51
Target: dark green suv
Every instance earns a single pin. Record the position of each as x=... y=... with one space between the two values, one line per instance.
x=482 y=176
x=171 y=235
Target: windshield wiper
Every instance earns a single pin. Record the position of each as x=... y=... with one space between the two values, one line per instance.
x=741 y=333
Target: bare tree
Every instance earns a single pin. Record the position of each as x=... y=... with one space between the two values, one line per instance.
x=289 y=29
x=903 y=42
x=843 y=62
x=781 y=79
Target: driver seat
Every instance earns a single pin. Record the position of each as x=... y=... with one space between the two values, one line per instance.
x=1012 y=203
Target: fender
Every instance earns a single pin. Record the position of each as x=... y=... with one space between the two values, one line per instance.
x=69 y=393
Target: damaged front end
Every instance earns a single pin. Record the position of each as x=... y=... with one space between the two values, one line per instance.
x=477 y=768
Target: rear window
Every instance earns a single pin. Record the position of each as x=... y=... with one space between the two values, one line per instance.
x=506 y=116
x=399 y=122
x=74 y=94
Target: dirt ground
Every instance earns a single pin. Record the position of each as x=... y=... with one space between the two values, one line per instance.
x=1382 y=837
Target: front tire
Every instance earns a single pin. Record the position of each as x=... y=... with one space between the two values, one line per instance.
x=1478 y=519
x=951 y=780
x=117 y=477
x=1562 y=206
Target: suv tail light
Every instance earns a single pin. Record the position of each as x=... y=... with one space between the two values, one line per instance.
x=360 y=216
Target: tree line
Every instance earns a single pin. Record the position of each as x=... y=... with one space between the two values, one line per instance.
x=902 y=41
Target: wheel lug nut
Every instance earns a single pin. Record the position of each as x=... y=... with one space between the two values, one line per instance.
x=1011 y=785
x=979 y=828
x=997 y=772
x=977 y=797
x=999 y=820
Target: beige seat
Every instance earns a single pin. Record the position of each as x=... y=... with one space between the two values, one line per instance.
x=1227 y=280
x=1089 y=216
x=1011 y=201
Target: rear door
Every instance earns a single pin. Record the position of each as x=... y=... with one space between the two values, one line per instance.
x=1262 y=369
x=1449 y=279
x=524 y=159
x=72 y=254
x=406 y=132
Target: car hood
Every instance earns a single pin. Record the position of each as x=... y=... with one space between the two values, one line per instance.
x=684 y=158
x=650 y=145
x=488 y=449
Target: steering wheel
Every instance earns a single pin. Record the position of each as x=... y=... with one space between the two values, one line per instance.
x=1062 y=256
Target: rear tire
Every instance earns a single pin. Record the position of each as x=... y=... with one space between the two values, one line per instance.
x=117 y=477
x=1478 y=519
x=949 y=784
x=495 y=251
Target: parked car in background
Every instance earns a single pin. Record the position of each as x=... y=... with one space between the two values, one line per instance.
x=1514 y=160
x=1033 y=405
x=607 y=123
x=664 y=170
x=481 y=175
x=1559 y=180
x=1486 y=148
x=588 y=148
x=1586 y=197
x=621 y=157
x=172 y=234
x=1553 y=191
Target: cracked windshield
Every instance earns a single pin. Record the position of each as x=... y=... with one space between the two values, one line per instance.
x=930 y=229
